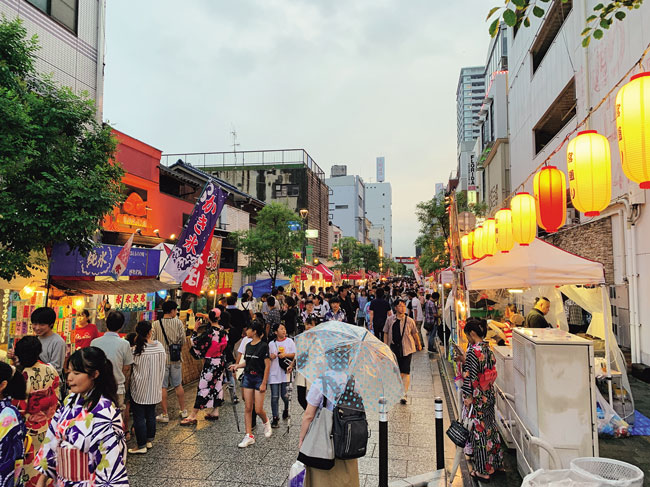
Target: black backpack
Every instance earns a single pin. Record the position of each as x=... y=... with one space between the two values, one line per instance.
x=350 y=427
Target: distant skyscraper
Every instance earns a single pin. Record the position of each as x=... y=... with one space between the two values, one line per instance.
x=469 y=98
x=440 y=188
x=381 y=169
x=379 y=203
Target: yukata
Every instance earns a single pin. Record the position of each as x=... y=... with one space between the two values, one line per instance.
x=479 y=376
x=38 y=409
x=84 y=448
x=12 y=444
x=210 y=346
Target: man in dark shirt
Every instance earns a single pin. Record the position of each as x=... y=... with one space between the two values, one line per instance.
x=236 y=320
x=346 y=304
x=379 y=311
x=535 y=318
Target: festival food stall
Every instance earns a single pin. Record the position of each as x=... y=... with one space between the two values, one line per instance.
x=547 y=404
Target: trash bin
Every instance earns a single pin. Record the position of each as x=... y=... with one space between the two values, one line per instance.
x=560 y=478
x=611 y=472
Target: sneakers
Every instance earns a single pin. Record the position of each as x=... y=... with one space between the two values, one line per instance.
x=138 y=451
x=275 y=423
x=235 y=400
x=184 y=414
x=247 y=441
x=403 y=400
x=267 y=429
x=162 y=418
x=285 y=414
x=149 y=444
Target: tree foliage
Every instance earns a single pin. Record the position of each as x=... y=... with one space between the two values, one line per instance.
x=352 y=256
x=57 y=180
x=516 y=13
x=434 y=229
x=270 y=245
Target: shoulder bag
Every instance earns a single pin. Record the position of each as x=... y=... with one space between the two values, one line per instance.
x=174 y=348
x=317 y=448
x=458 y=431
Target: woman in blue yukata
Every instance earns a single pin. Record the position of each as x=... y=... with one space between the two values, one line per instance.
x=85 y=444
x=12 y=426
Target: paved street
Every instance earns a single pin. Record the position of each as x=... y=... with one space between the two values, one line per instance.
x=207 y=454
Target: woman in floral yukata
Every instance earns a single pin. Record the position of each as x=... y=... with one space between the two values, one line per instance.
x=12 y=427
x=85 y=445
x=210 y=345
x=478 y=395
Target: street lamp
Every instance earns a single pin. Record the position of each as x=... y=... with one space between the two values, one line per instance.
x=304 y=213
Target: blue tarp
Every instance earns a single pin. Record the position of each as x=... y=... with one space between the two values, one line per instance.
x=262 y=286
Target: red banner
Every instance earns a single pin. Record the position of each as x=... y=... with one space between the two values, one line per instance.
x=225 y=281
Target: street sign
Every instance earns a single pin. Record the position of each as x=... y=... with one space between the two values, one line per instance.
x=309 y=253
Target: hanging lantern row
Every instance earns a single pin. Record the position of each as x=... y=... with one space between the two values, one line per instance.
x=589 y=173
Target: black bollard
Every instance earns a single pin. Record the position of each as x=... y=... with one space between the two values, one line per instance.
x=440 y=440
x=383 y=444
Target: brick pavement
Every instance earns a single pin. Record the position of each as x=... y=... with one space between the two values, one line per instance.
x=207 y=454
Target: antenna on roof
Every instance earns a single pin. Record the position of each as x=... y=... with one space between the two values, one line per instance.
x=233 y=132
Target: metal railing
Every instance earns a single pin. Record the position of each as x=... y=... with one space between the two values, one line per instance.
x=241 y=159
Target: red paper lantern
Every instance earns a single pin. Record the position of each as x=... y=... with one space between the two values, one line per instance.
x=550 y=197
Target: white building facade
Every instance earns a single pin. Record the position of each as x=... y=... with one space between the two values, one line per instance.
x=379 y=210
x=347 y=205
x=71 y=36
x=553 y=83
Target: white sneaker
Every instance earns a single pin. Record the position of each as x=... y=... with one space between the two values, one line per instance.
x=184 y=414
x=267 y=429
x=162 y=418
x=247 y=441
x=149 y=444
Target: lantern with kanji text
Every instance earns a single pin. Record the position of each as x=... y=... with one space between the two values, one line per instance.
x=590 y=172
x=633 y=128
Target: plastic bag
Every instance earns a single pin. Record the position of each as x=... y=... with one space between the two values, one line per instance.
x=610 y=424
x=560 y=478
x=297 y=474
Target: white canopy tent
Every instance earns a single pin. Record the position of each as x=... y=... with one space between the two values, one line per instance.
x=542 y=265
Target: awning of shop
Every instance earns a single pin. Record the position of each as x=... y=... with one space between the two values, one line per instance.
x=354 y=276
x=325 y=271
x=309 y=272
x=136 y=286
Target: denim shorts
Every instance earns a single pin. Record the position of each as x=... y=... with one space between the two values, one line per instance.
x=173 y=375
x=251 y=381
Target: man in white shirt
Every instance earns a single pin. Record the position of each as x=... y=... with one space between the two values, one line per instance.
x=418 y=316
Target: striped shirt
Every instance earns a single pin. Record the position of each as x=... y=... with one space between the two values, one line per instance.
x=148 y=371
x=175 y=330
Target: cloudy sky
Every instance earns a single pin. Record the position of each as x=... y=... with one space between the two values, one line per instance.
x=345 y=80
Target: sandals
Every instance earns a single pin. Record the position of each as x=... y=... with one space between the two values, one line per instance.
x=211 y=417
x=478 y=478
x=188 y=422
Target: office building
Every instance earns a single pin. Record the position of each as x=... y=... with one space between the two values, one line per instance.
x=347 y=205
x=469 y=98
x=71 y=39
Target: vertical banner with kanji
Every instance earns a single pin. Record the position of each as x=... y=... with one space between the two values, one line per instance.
x=211 y=277
x=225 y=281
x=196 y=233
x=193 y=283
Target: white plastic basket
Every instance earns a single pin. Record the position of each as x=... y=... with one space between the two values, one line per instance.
x=613 y=472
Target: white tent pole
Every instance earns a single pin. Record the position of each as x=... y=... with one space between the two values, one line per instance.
x=607 y=326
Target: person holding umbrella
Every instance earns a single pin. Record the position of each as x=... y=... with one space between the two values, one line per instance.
x=403 y=338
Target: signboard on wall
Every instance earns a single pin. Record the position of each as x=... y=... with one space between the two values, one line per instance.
x=471 y=176
x=225 y=281
x=99 y=262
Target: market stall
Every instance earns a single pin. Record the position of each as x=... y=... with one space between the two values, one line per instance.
x=544 y=268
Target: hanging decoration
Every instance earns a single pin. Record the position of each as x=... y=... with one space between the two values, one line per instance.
x=489 y=235
x=633 y=128
x=466 y=246
x=590 y=172
x=524 y=225
x=549 y=187
x=478 y=243
x=503 y=230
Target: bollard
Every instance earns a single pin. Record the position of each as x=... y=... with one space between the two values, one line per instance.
x=383 y=443
x=440 y=440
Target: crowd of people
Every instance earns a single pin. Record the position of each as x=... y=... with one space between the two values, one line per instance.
x=66 y=420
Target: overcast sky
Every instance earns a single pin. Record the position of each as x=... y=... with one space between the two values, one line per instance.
x=345 y=80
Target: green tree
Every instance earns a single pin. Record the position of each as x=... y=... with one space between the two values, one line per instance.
x=346 y=256
x=57 y=179
x=270 y=245
x=367 y=257
x=516 y=13
x=434 y=229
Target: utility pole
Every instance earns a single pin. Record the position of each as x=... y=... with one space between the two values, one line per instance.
x=233 y=133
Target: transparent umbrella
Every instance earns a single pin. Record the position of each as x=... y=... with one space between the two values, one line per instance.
x=332 y=348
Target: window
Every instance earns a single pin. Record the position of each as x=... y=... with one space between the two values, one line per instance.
x=341 y=207
x=556 y=117
x=285 y=190
x=552 y=25
x=63 y=11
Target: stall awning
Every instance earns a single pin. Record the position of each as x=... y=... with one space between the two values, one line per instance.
x=539 y=264
x=325 y=271
x=354 y=276
x=137 y=286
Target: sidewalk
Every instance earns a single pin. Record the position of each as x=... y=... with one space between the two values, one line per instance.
x=207 y=454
